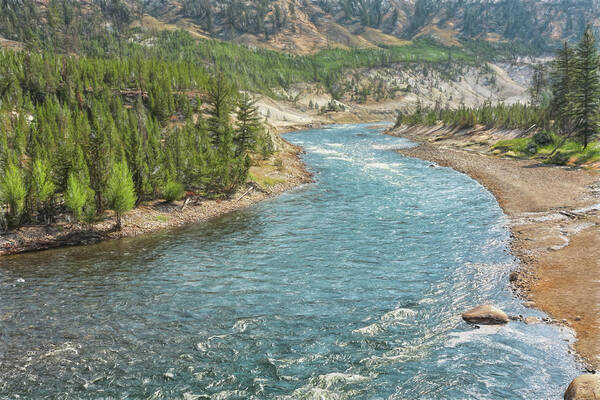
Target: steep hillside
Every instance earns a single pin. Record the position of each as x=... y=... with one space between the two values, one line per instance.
x=302 y=26
x=297 y=26
x=539 y=24
x=380 y=93
x=306 y=26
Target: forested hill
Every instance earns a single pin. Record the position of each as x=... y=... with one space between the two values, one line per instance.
x=305 y=26
x=539 y=23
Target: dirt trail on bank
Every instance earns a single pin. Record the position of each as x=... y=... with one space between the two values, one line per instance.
x=555 y=220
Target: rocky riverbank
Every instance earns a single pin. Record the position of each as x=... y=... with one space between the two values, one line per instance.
x=554 y=215
x=268 y=178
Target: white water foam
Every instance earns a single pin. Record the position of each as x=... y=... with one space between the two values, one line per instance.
x=322 y=387
x=334 y=378
x=204 y=346
x=388 y=319
x=385 y=166
x=473 y=335
x=308 y=393
x=371 y=330
x=398 y=314
x=242 y=324
x=394 y=146
x=340 y=158
x=227 y=394
x=321 y=150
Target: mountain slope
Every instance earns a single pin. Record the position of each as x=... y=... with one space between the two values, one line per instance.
x=301 y=26
x=540 y=23
x=296 y=26
x=306 y=26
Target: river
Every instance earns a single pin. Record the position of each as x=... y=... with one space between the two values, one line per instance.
x=351 y=287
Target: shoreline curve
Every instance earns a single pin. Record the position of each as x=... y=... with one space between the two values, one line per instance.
x=554 y=220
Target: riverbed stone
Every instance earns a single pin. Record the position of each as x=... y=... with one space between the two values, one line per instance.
x=485 y=315
x=584 y=387
x=532 y=320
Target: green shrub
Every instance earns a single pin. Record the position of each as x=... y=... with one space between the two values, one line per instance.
x=543 y=139
x=173 y=191
x=162 y=218
x=531 y=148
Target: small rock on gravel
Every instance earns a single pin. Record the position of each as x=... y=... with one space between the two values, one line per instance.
x=532 y=320
x=485 y=315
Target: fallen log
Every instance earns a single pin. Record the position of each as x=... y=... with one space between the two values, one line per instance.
x=185 y=203
x=246 y=192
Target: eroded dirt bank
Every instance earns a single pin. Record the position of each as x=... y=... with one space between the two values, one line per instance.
x=273 y=177
x=554 y=218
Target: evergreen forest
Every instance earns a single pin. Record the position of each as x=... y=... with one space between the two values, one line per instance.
x=91 y=133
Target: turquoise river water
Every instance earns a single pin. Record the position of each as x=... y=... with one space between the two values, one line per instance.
x=348 y=288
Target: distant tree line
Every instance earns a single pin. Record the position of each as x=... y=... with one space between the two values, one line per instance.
x=514 y=116
x=567 y=102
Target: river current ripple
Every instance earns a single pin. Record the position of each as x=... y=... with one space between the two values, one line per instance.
x=348 y=288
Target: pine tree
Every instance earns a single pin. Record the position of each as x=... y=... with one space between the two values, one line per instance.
x=586 y=98
x=78 y=194
x=219 y=98
x=227 y=172
x=41 y=187
x=120 y=191
x=155 y=157
x=562 y=76
x=14 y=191
x=99 y=154
x=135 y=156
x=248 y=124
x=538 y=81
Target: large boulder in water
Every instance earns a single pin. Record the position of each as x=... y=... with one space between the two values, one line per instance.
x=485 y=315
x=584 y=387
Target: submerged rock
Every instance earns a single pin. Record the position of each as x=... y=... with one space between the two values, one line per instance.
x=584 y=387
x=485 y=315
